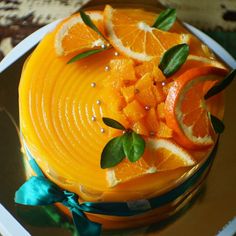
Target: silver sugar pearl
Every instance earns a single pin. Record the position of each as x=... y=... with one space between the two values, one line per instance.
x=102 y=130
x=93 y=84
x=103 y=46
x=147 y=108
x=163 y=83
x=151 y=133
x=98 y=102
x=107 y=68
x=116 y=54
x=93 y=118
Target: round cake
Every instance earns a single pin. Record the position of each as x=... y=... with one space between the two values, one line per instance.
x=116 y=109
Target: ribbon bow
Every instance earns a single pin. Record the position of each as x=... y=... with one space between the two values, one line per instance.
x=39 y=191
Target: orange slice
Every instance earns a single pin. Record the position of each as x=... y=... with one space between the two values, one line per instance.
x=127 y=170
x=206 y=60
x=168 y=155
x=160 y=155
x=130 y=33
x=186 y=110
x=72 y=35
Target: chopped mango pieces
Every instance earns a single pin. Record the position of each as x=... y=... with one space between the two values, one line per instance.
x=136 y=93
x=150 y=92
x=159 y=94
x=134 y=111
x=158 y=75
x=146 y=97
x=128 y=93
x=144 y=82
x=123 y=70
x=152 y=120
x=161 y=110
x=140 y=127
x=142 y=69
x=116 y=101
x=164 y=131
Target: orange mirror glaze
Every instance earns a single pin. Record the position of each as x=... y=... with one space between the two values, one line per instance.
x=58 y=102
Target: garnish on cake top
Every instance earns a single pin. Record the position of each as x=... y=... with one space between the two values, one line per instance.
x=158 y=97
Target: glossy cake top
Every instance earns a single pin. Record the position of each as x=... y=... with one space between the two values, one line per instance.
x=128 y=116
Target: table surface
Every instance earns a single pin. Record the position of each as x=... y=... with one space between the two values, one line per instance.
x=19 y=18
x=216 y=203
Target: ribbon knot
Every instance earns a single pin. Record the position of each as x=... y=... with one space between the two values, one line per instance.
x=39 y=191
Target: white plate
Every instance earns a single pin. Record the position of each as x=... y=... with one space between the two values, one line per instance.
x=7 y=221
x=29 y=42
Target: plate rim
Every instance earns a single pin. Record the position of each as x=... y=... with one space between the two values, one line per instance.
x=29 y=42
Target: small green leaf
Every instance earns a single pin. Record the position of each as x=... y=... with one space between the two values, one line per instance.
x=113 y=123
x=133 y=145
x=112 y=153
x=85 y=54
x=87 y=20
x=217 y=124
x=165 y=20
x=221 y=85
x=173 y=59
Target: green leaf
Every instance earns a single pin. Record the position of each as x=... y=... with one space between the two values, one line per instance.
x=113 y=123
x=112 y=153
x=85 y=54
x=173 y=59
x=165 y=20
x=217 y=124
x=133 y=145
x=221 y=85
x=87 y=20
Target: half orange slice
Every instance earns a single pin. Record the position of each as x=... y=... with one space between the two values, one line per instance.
x=130 y=33
x=73 y=35
x=186 y=110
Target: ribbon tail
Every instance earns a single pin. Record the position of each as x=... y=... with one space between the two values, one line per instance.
x=38 y=191
x=84 y=226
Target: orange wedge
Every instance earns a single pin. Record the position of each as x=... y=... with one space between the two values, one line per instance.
x=130 y=33
x=186 y=110
x=127 y=170
x=160 y=155
x=168 y=155
x=72 y=35
x=206 y=60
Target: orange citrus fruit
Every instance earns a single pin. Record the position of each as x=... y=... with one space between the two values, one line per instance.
x=212 y=62
x=118 y=174
x=130 y=33
x=160 y=155
x=72 y=35
x=186 y=110
x=168 y=155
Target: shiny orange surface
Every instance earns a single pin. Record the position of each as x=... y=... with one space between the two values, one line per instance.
x=57 y=103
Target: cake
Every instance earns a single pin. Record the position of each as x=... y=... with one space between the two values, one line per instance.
x=118 y=117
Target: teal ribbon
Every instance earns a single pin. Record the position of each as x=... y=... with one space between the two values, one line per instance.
x=38 y=190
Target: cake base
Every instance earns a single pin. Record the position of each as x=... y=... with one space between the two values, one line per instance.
x=147 y=218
